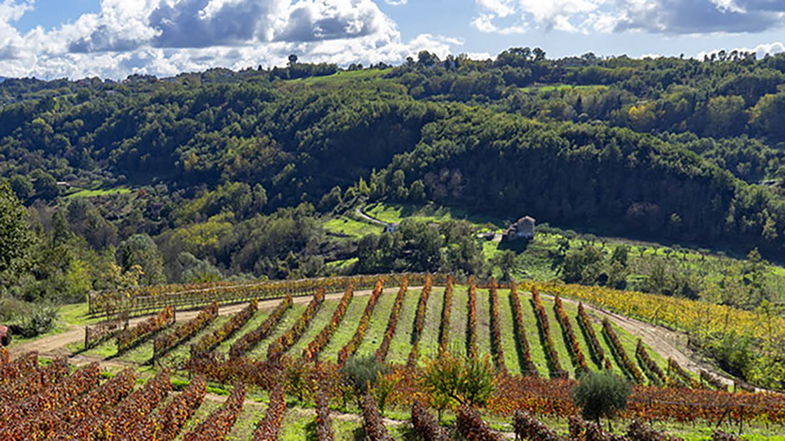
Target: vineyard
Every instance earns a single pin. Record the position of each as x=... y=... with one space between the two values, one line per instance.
x=289 y=350
x=86 y=405
x=402 y=324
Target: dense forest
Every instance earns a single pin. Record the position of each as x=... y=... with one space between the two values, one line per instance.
x=225 y=174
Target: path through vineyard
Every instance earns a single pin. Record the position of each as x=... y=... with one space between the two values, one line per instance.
x=57 y=345
x=668 y=343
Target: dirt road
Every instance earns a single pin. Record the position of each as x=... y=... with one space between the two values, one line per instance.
x=57 y=345
x=666 y=342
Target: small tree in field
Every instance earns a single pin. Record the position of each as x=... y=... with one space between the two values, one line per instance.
x=384 y=388
x=362 y=373
x=601 y=394
x=461 y=380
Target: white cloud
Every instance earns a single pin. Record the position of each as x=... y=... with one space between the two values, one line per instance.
x=165 y=37
x=481 y=56
x=10 y=40
x=656 y=16
x=760 y=50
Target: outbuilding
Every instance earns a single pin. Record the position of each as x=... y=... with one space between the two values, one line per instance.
x=522 y=229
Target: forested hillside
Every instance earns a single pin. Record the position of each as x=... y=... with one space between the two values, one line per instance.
x=224 y=174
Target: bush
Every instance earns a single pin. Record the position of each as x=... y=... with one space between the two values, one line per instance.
x=39 y=320
x=601 y=394
x=465 y=380
x=362 y=372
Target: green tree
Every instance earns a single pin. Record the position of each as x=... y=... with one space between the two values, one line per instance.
x=725 y=116
x=459 y=380
x=506 y=261
x=583 y=265
x=331 y=200
x=362 y=373
x=22 y=186
x=16 y=240
x=45 y=185
x=601 y=395
x=766 y=116
x=140 y=249
x=87 y=221
x=417 y=191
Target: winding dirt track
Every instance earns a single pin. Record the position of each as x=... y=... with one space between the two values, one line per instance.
x=668 y=343
x=57 y=345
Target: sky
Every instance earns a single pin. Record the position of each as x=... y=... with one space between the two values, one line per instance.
x=116 y=38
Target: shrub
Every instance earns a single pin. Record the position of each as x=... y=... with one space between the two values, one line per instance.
x=529 y=428
x=465 y=380
x=601 y=394
x=362 y=372
x=39 y=320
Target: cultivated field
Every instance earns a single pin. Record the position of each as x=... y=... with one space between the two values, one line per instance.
x=287 y=352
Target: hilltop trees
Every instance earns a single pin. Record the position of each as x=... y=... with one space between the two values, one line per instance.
x=233 y=173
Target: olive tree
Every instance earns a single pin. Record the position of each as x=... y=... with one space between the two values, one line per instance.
x=601 y=394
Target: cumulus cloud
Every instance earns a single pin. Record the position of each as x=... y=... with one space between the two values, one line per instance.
x=760 y=50
x=656 y=16
x=322 y=20
x=10 y=40
x=165 y=37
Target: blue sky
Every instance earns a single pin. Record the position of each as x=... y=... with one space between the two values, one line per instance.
x=115 y=38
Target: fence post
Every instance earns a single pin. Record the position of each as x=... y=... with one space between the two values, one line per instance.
x=86 y=337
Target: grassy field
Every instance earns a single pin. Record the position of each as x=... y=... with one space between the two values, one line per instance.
x=91 y=193
x=546 y=88
x=351 y=228
x=343 y=77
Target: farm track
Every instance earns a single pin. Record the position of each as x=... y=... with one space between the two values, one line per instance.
x=666 y=342
x=57 y=345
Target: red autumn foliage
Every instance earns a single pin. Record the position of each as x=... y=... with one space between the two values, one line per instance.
x=444 y=328
x=251 y=339
x=392 y=322
x=269 y=428
x=473 y=428
x=218 y=425
x=323 y=338
x=290 y=337
x=238 y=320
x=351 y=347
x=622 y=359
x=527 y=364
